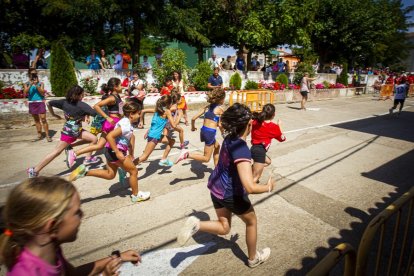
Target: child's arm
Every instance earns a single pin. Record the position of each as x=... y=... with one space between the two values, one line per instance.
x=41 y=89
x=58 y=104
x=170 y=118
x=111 y=140
x=198 y=115
x=244 y=169
x=277 y=133
x=109 y=265
x=132 y=146
x=26 y=89
x=142 y=115
x=98 y=107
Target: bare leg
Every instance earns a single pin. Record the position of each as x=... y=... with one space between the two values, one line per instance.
x=208 y=151
x=58 y=150
x=85 y=135
x=221 y=226
x=258 y=169
x=129 y=166
x=216 y=153
x=180 y=131
x=108 y=173
x=149 y=148
x=170 y=143
x=249 y=218
x=45 y=124
x=36 y=118
x=185 y=117
x=93 y=147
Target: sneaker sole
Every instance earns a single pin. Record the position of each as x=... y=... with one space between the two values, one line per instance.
x=185 y=233
x=141 y=200
x=75 y=175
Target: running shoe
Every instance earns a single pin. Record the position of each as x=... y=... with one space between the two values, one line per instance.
x=122 y=176
x=31 y=173
x=165 y=163
x=185 y=144
x=91 y=160
x=191 y=226
x=70 y=158
x=141 y=196
x=260 y=258
x=69 y=147
x=79 y=172
x=183 y=155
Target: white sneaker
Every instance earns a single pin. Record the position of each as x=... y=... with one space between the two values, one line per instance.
x=141 y=196
x=191 y=226
x=260 y=258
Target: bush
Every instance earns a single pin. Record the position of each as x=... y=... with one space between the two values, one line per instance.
x=62 y=73
x=343 y=77
x=251 y=85
x=199 y=76
x=300 y=71
x=235 y=81
x=282 y=78
x=172 y=60
x=89 y=85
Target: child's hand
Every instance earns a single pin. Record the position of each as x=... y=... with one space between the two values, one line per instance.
x=271 y=183
x=120 y=156
x=112 y=266
x=131 y=256
x=193 y=128
x=110 y=120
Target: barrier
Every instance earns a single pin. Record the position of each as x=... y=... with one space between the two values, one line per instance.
x=386 y=92
x=255 y=100
x=398 y=260
x=411 y=90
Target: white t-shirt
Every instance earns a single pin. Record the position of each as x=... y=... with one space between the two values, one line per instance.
x=123 y=141
x=400 y=92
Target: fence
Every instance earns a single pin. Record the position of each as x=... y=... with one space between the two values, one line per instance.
x=397 y=257
x=255 y=100
x=386 y=91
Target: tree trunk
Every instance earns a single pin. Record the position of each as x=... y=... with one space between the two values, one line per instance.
x=200 y=53
x=249 y=60
x=137 y=37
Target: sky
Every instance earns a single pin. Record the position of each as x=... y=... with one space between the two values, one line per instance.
x=230 y=51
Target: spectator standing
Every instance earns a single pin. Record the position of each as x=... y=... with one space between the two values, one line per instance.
x=126 y=58
x=20 y=60
x=226 y=64
x=255 y=63
x=118 y=60
x=93 y=61
x=40 y=60
x=214 y=62
x=304 y=89
x=215 y=80
x=240 y=62
x=105 y=60
x=281 y=66
x=146 y=65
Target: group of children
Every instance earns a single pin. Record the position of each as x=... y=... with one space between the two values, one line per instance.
x=49 y=211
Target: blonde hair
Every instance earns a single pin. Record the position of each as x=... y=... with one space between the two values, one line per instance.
x=29 y=207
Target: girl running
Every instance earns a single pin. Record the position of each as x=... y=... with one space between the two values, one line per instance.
x=120 y=141
x=212 y=115
x=40 y=215
x=35 y=91
x=179 y=85
x=75 y=112
x=263 y=131
x=155 y=135
x=113 y=103
x=229 y=185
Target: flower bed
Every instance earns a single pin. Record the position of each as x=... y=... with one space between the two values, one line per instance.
x=11 y=93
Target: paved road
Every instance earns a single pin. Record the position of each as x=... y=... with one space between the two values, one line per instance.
x=343 y=161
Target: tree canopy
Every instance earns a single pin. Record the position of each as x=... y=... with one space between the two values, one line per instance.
x=361 y=32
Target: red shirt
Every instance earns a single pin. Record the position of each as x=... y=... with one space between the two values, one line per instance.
x=263 y=133
x=166 y=90
x=125 y=82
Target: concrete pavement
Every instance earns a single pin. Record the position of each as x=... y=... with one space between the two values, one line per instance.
x=342 y=162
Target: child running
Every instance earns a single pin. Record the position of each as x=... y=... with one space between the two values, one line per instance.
x=212 y=115
x=229 y=185
x=155 y=135
x=400 y=92
x=40 y=215
x=263 y=131
x=120 y=141
x=75 y=112
x=113 y=103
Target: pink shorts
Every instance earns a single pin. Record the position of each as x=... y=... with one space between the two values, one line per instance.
x=108 y=127
x=68 y=139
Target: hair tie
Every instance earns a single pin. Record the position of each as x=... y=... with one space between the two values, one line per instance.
x=8 y=232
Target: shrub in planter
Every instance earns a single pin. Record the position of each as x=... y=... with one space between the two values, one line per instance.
x=235 y=81
x=343 y=77
x=282 y=78
x=200 y=74
x=62 y=72
x=172 y=60
x=251 y=85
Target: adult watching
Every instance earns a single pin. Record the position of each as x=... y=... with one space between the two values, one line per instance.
x=215 y=80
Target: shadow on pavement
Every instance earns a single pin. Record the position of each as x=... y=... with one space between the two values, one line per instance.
x=199 y=169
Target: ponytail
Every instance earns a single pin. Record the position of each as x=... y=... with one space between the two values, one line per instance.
x=163 y=103
x=267 y=113
x=110 y=86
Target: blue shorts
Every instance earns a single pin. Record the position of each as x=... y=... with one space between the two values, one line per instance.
x=208 y=135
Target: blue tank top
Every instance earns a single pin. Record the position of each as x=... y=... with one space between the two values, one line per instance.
x=157 y=125
x=34 y=94
x=210 y=113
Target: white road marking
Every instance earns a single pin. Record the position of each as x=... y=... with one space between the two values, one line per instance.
x=166 y=262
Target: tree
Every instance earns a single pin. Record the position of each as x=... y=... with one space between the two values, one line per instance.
x=172 y=60
x=62 y=73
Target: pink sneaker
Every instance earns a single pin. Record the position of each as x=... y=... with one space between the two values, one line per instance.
x=71 y=158
x=185 y=144
x=91 y=160
x=183 y=155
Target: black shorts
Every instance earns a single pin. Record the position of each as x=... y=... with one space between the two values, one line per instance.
x=237 y=204
x=304 y=93
x=111 y=155
x=399 y=101
x=258 y=153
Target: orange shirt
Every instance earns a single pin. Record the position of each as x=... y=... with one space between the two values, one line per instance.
x=126 y=58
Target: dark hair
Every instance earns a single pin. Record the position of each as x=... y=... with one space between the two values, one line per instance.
x=267 y=113
x=175 y=96
x=179 y=74
x=167 y=79
x=131 y=107
x=235 y=120
x=216 y=96
x=110 y=86
x=74 y=93
x=163 y=103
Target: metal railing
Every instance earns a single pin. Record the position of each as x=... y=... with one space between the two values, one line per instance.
x=398 y=253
